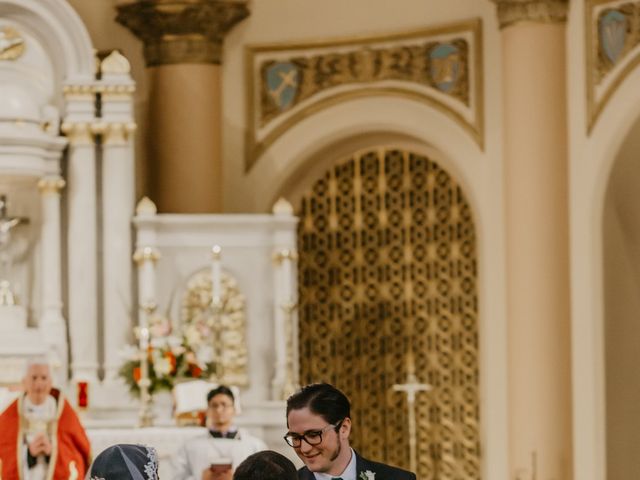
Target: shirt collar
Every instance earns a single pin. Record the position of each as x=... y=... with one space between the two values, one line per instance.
x=349 y=473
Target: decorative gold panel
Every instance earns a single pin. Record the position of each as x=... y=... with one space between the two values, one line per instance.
x=387 y=261
x=440 y=66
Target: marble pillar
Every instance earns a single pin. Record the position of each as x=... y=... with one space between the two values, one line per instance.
x=52 y=322
x=536 y=186
x=183 y=51
x=118 y=200
x=82 y=248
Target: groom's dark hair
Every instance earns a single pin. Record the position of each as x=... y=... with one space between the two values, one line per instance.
x=321 y=399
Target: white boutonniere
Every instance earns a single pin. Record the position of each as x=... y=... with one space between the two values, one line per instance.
x=368 y=475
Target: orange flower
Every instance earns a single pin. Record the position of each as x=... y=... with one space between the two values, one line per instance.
x=195 y=370
x=137 y=374
x=172 y=359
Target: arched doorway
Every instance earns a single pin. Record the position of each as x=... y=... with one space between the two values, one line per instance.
x=621 y=237
x=388 y=283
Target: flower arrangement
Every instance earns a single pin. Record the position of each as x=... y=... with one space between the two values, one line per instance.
x=172 y=357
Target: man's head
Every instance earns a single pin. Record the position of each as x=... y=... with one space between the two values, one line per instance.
x=221 y=408
x=37 y=381
x=266 y=465
x=319 y=422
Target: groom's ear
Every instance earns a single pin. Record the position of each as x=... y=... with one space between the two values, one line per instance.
x=345 y=428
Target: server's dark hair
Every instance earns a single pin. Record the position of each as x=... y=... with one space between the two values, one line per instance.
x=221 y=389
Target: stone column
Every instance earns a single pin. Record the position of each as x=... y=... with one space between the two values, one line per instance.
x=536 y=186
x=118 y=200
x=82 y=245
x=183 y=51
x=52 y=323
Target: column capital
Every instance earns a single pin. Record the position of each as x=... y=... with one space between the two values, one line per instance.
x=79 y=133
x=182 y=31
x=538 y=11
x=51 y=184
x=146 y=254
x=114 y=133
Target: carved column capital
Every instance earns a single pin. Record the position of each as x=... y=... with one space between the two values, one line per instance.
x=539 y=11
x=182 y=31
x=51 y=185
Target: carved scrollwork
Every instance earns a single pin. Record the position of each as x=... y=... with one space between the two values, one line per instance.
x=224 y=325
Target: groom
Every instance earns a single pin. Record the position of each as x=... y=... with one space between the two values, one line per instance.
x=319 y=422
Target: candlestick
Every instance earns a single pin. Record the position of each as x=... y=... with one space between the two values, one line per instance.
x=286 y=276
x=216 y=274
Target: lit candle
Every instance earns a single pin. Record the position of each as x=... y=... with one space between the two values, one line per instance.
x=216 y=273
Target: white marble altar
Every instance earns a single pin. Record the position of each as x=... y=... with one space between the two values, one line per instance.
x=50 y=116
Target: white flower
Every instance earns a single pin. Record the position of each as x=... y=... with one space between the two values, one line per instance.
x=192 y=336
x=162 y=366
x=368 y=475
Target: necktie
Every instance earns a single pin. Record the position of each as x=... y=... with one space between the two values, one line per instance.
x=218 y=434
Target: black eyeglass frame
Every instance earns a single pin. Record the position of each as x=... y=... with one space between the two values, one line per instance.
x=290 y=439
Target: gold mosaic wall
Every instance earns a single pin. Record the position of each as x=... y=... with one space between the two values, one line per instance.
x=388 y=263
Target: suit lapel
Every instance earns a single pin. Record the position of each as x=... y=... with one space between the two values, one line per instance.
x=305 y=474
x=362 y=465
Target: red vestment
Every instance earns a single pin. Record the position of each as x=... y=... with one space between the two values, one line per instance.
x=70 y=448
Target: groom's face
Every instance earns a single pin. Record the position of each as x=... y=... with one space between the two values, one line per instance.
x=332 y=454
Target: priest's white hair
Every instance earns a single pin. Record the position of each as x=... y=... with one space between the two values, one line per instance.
x=36 y=360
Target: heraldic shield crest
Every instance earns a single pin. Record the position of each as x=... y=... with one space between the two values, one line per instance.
x=282 y=79
x=612 y=27
x=445 y=67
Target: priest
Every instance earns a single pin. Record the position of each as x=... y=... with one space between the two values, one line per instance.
x=42 y=437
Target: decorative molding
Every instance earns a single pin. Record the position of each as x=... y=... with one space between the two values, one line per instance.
x=114 y=133
x=79 y=133
x=11 y=43
x=440 y=66
x=146 y=207
x=51 y=185
x=538 y=11
x=145 y=254
x=182 y=31
x=613 y=50
x=115 y=63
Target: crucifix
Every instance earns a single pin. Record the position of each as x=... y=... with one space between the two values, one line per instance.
x=411 y=387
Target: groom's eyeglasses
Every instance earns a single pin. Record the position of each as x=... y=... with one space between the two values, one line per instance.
x=312 y=437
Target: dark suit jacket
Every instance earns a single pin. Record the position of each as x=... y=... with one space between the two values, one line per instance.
x=382 y=471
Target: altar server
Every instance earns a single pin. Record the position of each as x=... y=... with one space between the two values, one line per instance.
x=41 y=434
x=219 y=450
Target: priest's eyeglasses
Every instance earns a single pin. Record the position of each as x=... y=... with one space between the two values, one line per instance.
x=312 y=437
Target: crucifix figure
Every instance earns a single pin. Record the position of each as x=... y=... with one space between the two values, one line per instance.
x=7 y=224
x=411 y=387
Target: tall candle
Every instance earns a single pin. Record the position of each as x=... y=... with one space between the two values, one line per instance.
x=286 y=275
x=216 y=273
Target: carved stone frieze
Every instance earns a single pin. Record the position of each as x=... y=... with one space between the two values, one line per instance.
x=182 y=31
x=540 y=11
x=439 y=65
